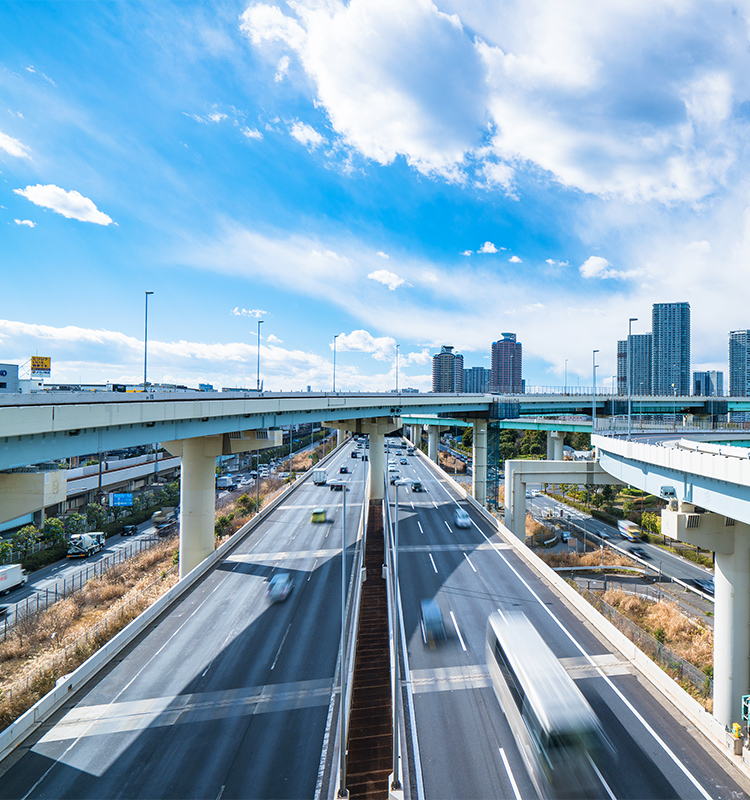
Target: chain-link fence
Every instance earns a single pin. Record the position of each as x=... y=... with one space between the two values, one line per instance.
x=43 y=598
x=660 y=653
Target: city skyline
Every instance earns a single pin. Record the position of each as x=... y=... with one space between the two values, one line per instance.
x=270 y=161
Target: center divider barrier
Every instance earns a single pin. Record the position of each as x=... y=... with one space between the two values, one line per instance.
x=67 y=685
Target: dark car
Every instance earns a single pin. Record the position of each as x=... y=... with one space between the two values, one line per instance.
x=416 y=486
x=403 y=461
x=640 y=552
x=128 y=530
x=336 y=486
x=355 y=454
x=343 y=470
x=4 y=611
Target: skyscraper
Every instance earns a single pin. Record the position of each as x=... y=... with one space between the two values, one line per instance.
x=670 y=359
x=477 y=379
x=622 y=366
x=507 y=365
x=708 y=384
x=447 y=371
x=739 y=363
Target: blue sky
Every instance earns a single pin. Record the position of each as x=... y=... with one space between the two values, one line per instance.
x=391 y=171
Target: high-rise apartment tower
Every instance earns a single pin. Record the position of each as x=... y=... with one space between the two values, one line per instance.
x=447 y=371
x=670 y=359
x=507 y=365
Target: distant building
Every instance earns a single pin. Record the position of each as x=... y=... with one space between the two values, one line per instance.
x=477 y=380
x=640 y=360
x=447 y=371
x=670 y=360
x=708 y=384
x=409 y=390
x=507 y=365
x=9 y=378
x=739 y=363
x=622 y=366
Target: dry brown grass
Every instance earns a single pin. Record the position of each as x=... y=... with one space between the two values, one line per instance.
x=591 y=559
x=450 y=463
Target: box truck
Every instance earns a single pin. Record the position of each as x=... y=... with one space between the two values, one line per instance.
x=11 y=577
x=319 y=477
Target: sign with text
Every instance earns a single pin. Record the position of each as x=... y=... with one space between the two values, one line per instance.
x=41 y=365
x=121 y=499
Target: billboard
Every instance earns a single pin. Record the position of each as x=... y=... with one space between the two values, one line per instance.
x=121 y=499
x=41 y=365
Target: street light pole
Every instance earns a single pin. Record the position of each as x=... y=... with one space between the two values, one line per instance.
x=566 y=376
x=145 y=341
x=593 y=392
x=334 y=361
x=397 y=346
x=629 y=368
x=260 y=322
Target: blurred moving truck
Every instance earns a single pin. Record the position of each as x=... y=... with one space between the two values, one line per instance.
x=319 y=477
x=163 y=515
x=11 y=577
x=82 y=545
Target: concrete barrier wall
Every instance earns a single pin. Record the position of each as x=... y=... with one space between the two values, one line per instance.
x=686 y=704
x=69 y=684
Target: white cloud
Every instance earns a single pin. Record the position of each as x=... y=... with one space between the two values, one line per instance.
x=281 y=69
x=550 y=261
x=488 y=247
x=251 y=133
x=27 y=222
x=389 y=279
x=466 y=253
x=382 y=348
x=306 y=135
x=703 y=247
x=514 y=260
x=256 y=313
x=13 y=147
x=213 y=118
x=69 y=204
x=429 y=276
x=596 y=267
x=272 y=339
x=34 y=71
x=382 y=254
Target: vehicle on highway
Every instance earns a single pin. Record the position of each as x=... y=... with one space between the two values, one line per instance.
x=565 y=536
x=629 y=530
x=355 y=454
x=4 y=611
x=403 y=461
x=410 y=451
x=394 y=476
x=319 y=477
x=431 y=621
x=279 y=587
x=11 y=577
x=343 y=470
x=557 y=731
x=640 y=552
x=128 y=530
x=337 y=486
x=416 y=486
x=704 y=584
x=392 y=467
x=81 y=545
x=318 y=515
x=461 y=518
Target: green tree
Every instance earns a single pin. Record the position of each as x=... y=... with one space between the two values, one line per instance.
x=74 y=523
x=53 y=531
x=628 y=506
x=25 y=539
x=467 y=440
x=6 y=548
x=506 y=450
x=609 y=494
x=95 y=516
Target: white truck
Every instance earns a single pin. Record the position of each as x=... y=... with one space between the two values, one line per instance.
x=82 y=545
x=165 y=514
x=11 y=577
x=226 y=482
x=319 y=477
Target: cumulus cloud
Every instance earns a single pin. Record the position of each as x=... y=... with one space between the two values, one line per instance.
x=389 y=279
x=466 y=253
x=250 y=133
x=514 y=260
x=488 y=247
x=256 y=313
x=69 y=204
x=281 y=69
x=382 y=348
x=306 y=135
x=272 y=339
x=26 y=222
x=13 y=147
x=382 y=254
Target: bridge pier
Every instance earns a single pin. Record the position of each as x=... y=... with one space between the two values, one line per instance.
x=479 y=459
x=432 y=442
x=730 y=542
x=555 y=445
x=340 y=436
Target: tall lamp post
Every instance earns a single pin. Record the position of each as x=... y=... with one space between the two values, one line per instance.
x=334 y=361
x=629 y=368
x=145 y=341
x=260 y=322
x=397 y=346
x=566 y=376
x=593 y=392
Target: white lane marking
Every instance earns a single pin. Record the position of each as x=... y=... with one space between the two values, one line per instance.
x=434 y=504
x=604 y=677
x=448 y=526
x=312 y=570
x=470 y=564
x=420 y=526
x=510 y=774
x=601 y=778
x=221 y=792
x=460 y=638
x=433 y=563
x=286 y=633
x=412 y=504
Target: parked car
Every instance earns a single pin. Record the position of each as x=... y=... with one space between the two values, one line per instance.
x=461 y=518
x=279 y=587
x=128 y=530
x=318 y=515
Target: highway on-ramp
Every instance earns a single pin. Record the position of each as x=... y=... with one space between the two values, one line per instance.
x=227 y=695
x=464 y=745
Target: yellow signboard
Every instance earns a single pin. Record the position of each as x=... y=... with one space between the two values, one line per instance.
x=41 y=365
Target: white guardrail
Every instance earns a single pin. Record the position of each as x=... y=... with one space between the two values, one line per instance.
x=67 y=685
x=687 y=705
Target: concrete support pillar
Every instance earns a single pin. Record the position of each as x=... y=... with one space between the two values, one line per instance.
x=197 y=500
x=515 y=501
x=432 y=442
x=555 y=445
x=479 y=458
x=376 y=489
x=340 y=436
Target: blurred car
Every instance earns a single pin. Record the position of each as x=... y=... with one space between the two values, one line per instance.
x=128 y=530
x=431 y=621
x=279 y=587
x=704 y=584
x=640 y=552
x=403 y=461
x=4 y=611
x=461 y=518
x=394 y=476
x=336 y=486
x=416 y=486
x=343 y=470
x=318 y=515
x=355 y=454
x=565 y=536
